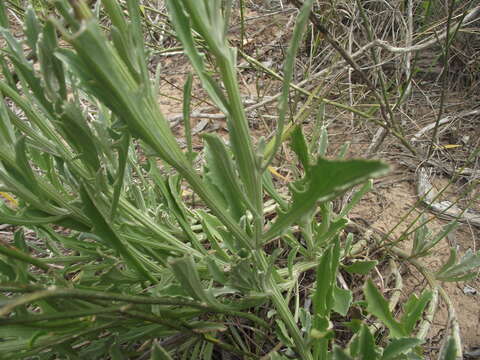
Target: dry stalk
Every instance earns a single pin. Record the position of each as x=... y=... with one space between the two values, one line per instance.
x=445 y=209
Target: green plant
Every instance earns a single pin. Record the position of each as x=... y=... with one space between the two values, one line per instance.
x=125 y=264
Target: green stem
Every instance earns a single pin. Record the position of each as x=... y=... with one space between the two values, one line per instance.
x=49 y=317
x=132 y=299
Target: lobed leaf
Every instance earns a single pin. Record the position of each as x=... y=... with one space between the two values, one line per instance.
x=378 y=306
x=326 y=180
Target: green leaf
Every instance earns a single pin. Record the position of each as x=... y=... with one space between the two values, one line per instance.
x=215 y=271
x=420 y=237
x=413 y=310
x=326 y=180
x=400 y=346
x=25 y=219
x=7 y=134
x=124 y=45
x=342 y=300
x=159 y=353
x=187 y=275
x=3 y=15
x=122 y=148
x=463 y=270
x=13 y=253
x=169 y=190
x=79 y=135
x=28 y=176
x=299 y=146
x=367 y=344
x=326 y=230
x=183 y=28
x=32 y=29
x=112 y=7
x=52 y=68
x=116 y=352
x=378 y=306
x=449 y=351
x=290 y=260
x=269 y=187
x=7 y=270
x=136 y=33
x=223 y=175
x=323 y=139
x=282 y=333
x=339 y=354
x=288 y=71
x=187 y=96
x=103 y=229
x=421 y=248
x=209 y=224
x=450 y=261
x=361 y=267
x=323 y=286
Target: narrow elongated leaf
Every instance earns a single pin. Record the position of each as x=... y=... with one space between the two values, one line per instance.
x=215 y=271
x=123 y=147
x=323 y=285
x=327 y=180
x=223 y=175
x=323 y=299
x=333 y=229
x=136 y=34
x=209 y=224
x=299 y=146
x=367 y=344
x=339 y=354
x=413 y=310
x=80 y=136
x=109 y=235
x=123 y=44
x=361 y=267
x=182 y=26
x=270 y=189
x=323 y=140
x=177 y=207
x=32 y=29
x=14 y=253
x=28 y=220
x=187 y=275
x=449 y=351
x=463 y=270
x=28 y=175
x=378 y=306
x=159 y=353
x=112 y=7
x=452 y=259
x=187 y=95
x=52 y=68
x=288 y=71
x=400 y=346
x=3 y=15
x=7 y=135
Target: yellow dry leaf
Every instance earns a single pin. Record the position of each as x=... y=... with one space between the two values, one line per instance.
x=449 y=146
x=277 y=174
x=9 y=198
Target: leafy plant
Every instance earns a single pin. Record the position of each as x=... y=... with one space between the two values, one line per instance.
x=124 y=263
